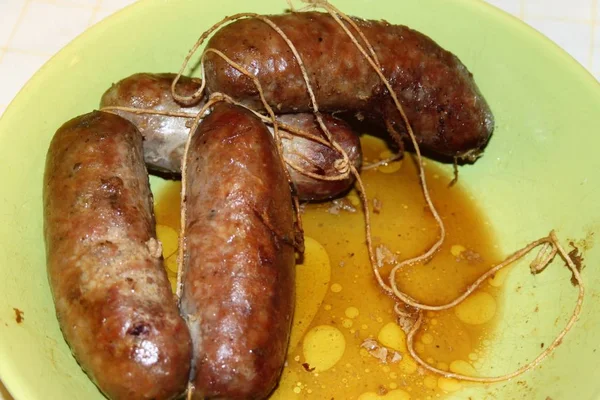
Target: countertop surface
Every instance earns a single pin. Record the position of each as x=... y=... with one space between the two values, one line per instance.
x=31 y=31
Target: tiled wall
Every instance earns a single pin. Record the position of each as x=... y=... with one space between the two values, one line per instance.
x=31 y=31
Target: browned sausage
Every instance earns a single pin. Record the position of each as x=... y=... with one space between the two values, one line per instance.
x=238 y=263
x=443 y=104
x=165 y=136
x=111 y=292
x=317 y=158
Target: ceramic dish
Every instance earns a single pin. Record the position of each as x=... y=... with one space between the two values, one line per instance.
x=540 y=171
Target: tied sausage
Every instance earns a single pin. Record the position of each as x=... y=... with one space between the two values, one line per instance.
x=442 y=102
x=238 y=256
x=165 y=136
x=111 y=292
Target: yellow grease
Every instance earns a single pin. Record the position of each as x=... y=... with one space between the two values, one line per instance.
x=477 y=309
x=351 y=312
x=323 y=347
x=462 y=367
x=397 y=394
x=405 y=227
x=392 y=336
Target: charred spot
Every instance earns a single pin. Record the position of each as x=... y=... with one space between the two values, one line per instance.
x=112 y=187
x=76 y=167
x=212 y=214
x=139 y=329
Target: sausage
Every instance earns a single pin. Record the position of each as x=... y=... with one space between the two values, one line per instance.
x=165 y=136
x=443 y=104
x=112 y=297
x=317 y=158
x=238 y=256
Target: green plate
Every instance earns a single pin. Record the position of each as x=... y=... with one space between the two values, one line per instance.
x=540 y=171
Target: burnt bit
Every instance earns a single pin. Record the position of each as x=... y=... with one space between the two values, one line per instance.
x=307 y=367
x=112 y=187
x=577 y=258
x=19 y=315
x=139 y=329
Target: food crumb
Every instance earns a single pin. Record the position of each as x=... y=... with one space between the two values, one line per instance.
x=376 y=205
x=384 y=255
x=19 y=315
x=341 y=205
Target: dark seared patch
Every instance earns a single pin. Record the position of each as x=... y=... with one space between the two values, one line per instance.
x=139 y=329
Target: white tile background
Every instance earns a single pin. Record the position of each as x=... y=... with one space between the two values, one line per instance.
x=31 y=31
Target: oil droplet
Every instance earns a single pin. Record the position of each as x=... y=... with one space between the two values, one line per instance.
x=169 y=239
x=443 y=366
x=390 y=167
x=353 y=199
x=323 y=347
x=364 y=327
x=420 y=347
x=433 y=322
x=336 y=288
x=396 y=394
x=473 y=356
x=297 y=390
x=312 y=279
x=393 y=385
x=408 y=365
x=448 y=385
x=327 y=307
x=351 y=312
x=427 y=338
x=462 y=367
x=430 y=382
x=171 y=263
x=477 y=309
x=392 y=336
x=385 y=154
x=347 y=323
x=456 y=250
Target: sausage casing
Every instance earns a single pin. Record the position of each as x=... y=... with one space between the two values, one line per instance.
x=111 y=292
x=165 y=136
x=238 y=256
x=442 y=102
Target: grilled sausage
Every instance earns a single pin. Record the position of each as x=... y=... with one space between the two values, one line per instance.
x=443 y=104
x=238 y=256
x=111 y=292
x=165 y=136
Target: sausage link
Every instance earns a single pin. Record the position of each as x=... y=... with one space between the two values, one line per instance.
x=165 y=136
x=112 y=297
x=238 y=256
x=442 y=102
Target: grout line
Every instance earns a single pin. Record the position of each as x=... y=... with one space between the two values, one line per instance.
x=25 y=51
x=14 y=30
x=522 y=10
x=592 y=34
x=94 y=13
